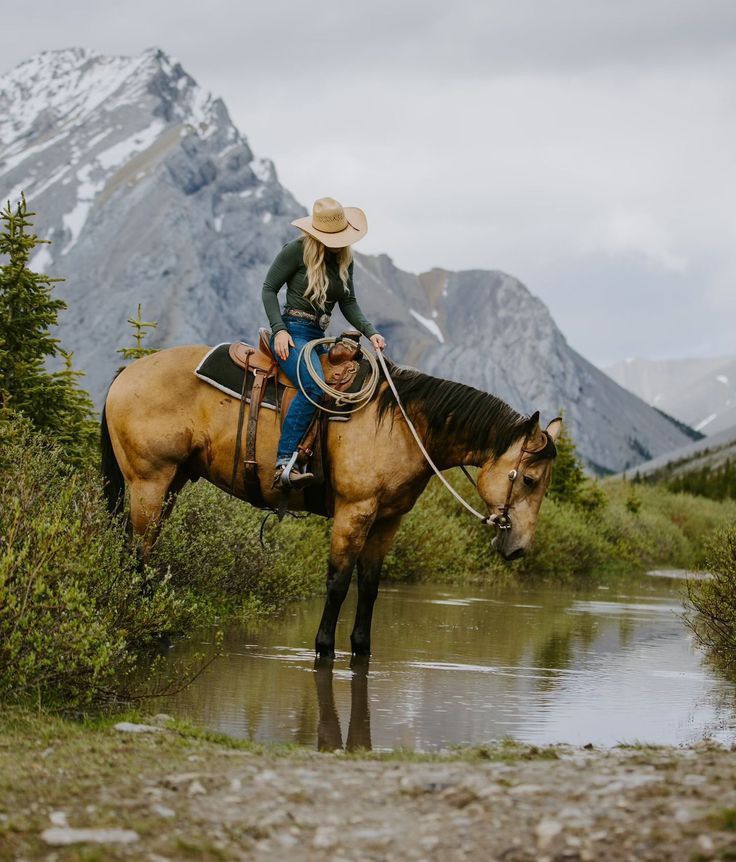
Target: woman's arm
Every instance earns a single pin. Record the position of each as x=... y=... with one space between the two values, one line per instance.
x=353 y=312
x=285 y=264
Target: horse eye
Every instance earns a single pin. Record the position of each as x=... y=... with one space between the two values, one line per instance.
x=529 y=481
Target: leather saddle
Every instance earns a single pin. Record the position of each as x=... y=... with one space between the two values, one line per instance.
x=340 y=366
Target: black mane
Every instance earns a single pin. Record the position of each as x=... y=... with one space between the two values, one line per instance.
x=484 y=422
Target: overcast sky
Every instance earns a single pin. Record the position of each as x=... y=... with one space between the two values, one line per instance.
x=584 y=146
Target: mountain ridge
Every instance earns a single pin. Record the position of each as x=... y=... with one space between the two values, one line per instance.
x=700 y=391
x=149 y=193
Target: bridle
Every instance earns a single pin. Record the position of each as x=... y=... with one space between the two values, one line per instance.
x=501 y=521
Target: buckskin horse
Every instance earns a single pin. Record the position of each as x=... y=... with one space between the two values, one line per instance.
x=162 y=427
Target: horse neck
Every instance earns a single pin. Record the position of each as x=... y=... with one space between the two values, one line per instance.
x=450 y=450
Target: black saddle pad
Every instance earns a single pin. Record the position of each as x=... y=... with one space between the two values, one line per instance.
x=220 y=371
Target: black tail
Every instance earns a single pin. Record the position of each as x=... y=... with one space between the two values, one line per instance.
x=112 y=475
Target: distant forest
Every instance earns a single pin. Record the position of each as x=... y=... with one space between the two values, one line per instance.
x=717 y=483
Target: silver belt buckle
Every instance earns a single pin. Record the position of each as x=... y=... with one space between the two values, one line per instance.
x=323 y=321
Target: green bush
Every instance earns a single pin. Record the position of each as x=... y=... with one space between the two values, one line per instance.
x=438 y=541
x=713 y=602
x=210 y=547
x=74 y=616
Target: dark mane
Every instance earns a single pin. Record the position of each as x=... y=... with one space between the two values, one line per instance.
x=484 y=422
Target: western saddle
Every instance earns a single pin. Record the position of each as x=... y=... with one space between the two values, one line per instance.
x=340 y=367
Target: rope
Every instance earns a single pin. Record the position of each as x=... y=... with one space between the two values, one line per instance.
x=357 y=399
x=484 y=518
x=362 y=397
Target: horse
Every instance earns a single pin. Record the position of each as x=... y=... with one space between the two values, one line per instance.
x=162 y=427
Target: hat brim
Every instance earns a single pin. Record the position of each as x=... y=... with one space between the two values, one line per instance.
x=357 y=228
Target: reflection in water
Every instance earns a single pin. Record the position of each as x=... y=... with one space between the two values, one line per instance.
x=453 y=666
x=329 y=734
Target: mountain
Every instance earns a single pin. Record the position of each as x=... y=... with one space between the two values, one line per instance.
x=711 y=452
x=699 y=392
x=150 y=194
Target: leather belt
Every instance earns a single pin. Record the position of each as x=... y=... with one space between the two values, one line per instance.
x=321 y=320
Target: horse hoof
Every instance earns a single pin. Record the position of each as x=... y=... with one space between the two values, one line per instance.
x=361 y=650
x=323 y=661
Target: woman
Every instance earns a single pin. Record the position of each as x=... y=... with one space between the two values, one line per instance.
x=317 y=269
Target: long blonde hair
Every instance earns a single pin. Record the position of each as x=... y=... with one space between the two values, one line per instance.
x=314 y=260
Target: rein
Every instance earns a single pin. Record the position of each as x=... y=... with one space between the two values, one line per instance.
x=359 y=399
x=485 y=519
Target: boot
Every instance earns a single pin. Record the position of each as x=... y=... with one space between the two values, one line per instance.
x=290 y=477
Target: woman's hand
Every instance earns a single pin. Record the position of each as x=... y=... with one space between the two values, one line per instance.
x=378 y=341
x=281 y=344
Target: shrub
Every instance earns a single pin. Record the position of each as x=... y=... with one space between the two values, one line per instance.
x=713 y=602
x=211 y=548
x=73 y=615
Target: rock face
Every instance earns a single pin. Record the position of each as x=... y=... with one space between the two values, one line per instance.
x=700 y=392
x=150 y=194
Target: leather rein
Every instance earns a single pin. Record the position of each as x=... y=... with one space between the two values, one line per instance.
x=502 y=521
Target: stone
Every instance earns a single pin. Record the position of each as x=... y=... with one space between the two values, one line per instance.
x=705 y=844
x=546 y=831
x=196 y=788
x=133 y=727
x=325 y=837
x=60 y=836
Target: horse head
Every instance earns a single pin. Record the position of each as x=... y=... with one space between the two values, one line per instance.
x=514 y=483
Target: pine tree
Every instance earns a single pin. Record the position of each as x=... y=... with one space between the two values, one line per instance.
x=140 y=331
x=568 y=478
x=52 y=401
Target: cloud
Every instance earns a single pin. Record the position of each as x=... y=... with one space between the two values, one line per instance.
x=641 y=234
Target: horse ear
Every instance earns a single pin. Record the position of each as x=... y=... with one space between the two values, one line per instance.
x=554 y=428
x=532 y=422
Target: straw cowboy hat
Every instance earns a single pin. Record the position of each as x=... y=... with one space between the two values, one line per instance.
x=333 y=224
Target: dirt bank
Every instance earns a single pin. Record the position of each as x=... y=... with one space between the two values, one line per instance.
x=172 y=794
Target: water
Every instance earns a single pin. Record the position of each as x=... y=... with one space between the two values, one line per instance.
x=462 y=665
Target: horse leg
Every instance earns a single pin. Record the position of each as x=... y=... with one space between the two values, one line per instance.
x=351 y=526
x=151 y=500
x=370 y=562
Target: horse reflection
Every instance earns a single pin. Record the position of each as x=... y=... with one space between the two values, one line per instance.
x=329 y=733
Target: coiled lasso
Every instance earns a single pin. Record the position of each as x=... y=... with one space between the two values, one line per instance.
x=355 y=400
x=361 y=398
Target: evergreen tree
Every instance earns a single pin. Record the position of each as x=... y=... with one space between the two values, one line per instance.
x=52 y=401
x=568 y=478
x=140 y=331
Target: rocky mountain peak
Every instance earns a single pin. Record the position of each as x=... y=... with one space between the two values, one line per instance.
x=149 y=194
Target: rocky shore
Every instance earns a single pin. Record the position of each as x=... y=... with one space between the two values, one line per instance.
x=159 y=791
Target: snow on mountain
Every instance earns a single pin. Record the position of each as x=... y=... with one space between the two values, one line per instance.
x=699 y=392
x=150 y=194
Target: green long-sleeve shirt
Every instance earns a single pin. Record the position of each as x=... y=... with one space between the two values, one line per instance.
x=288 y=268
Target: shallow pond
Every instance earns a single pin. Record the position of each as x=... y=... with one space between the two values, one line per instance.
x=463 y=665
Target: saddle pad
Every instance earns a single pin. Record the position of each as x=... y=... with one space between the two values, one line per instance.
x=220 y=371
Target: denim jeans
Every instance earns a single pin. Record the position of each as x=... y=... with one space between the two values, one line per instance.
x=301 y=411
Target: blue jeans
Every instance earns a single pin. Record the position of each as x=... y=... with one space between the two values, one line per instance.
x=300 y=411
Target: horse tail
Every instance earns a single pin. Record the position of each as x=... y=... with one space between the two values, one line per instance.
x=112 y=475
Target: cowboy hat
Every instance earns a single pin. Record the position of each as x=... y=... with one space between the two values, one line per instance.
x=333 y=224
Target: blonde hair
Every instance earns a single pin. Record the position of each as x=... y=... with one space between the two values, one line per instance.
x=314 y=260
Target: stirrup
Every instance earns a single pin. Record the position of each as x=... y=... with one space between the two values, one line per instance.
x=288 y=477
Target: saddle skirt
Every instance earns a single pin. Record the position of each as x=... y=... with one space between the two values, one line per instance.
x=253 y=376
